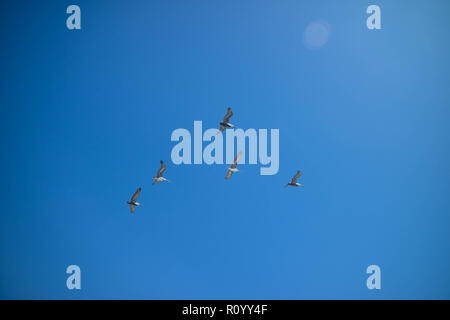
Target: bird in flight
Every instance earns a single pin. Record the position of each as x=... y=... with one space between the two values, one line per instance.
x=133 y=202
x=226 y=124
x=159 y=176
x=233 y=166
x=294 y=182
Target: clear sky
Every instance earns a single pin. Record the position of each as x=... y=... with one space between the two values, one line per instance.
x=86 y=115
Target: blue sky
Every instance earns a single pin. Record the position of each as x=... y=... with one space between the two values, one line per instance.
x=86 y=115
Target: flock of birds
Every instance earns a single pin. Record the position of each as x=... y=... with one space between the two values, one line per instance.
x=233 y=168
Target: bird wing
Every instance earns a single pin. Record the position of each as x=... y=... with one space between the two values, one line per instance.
x=236 y=160
x=136 y=195
x=220 y=130
x=229 y=173
x=131 y=208
x=161 y=170
x=294 y=179
x=228 y=115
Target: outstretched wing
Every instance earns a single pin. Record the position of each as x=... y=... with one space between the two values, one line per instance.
x=236 y=160
x=229 y=173
x=228 y=115
x=132 y=208
x=161 y=170
x=294 y=179
x=136 y=195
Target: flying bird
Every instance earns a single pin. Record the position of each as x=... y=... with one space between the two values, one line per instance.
x=133 y=202
x=159 y=176
x=294 y=182
x=233 y=166
x=226 y=124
